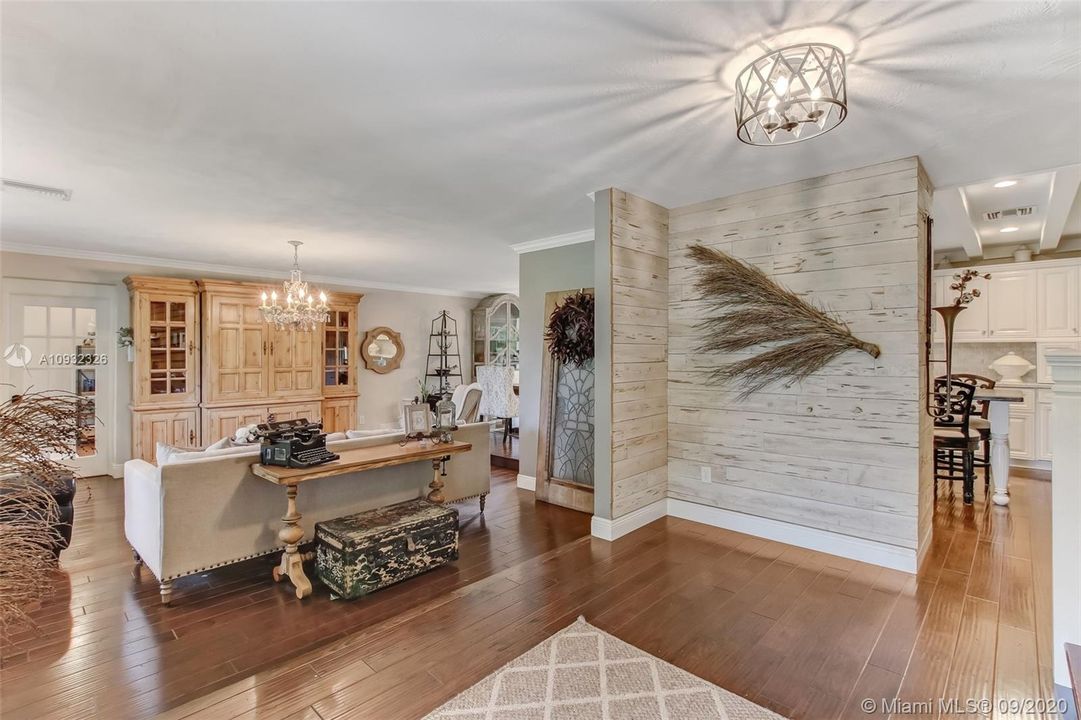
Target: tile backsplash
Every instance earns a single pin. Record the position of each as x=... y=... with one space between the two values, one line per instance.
x=977 y=357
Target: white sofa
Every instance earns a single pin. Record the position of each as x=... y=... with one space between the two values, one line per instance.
x=193 y=515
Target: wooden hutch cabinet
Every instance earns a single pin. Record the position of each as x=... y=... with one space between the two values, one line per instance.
x=339 y=370
x=165 y=375
x=207 y=363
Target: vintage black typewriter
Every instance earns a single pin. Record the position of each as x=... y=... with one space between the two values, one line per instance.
x=294 y=443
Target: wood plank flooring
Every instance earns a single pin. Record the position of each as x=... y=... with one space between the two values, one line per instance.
x=806 y=634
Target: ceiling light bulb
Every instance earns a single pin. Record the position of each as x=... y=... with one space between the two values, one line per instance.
x=1008 y=229
x=781 y=85
x=816 y=93
x=1005 y=184
x=772 y=104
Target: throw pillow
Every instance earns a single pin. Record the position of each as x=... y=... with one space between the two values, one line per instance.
x=166 y=454
x=223 y=443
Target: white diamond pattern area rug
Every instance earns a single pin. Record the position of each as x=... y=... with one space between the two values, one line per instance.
x=583 y=673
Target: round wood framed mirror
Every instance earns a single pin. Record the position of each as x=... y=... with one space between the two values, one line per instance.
x=382 y=350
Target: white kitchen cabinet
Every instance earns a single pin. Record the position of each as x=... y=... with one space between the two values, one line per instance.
x=1057 y=305
x=1043 y=427
x=971 y=322
x=1022 y=302
x=1011 y=304
x=1022 y=435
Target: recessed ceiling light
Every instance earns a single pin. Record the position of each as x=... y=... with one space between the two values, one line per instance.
x=1005 y=183
x=1011 y=228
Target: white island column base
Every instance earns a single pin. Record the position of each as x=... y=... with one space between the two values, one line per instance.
x=999 y=415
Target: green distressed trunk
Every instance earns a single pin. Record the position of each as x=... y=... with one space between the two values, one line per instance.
x=361 y=553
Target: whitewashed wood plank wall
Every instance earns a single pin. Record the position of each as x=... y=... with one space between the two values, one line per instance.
x=839 y=452
x=639 y=282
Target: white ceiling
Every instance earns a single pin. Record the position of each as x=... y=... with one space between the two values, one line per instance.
x=413 y=143
x=962 y=222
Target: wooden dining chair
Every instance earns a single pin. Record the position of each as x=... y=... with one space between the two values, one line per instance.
x=954 y=436
x=979 y=420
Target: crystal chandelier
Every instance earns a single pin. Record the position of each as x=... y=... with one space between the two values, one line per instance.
x=300 y=311
x=791 y=94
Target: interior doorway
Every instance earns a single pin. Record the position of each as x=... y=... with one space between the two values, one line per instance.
x=60 y=337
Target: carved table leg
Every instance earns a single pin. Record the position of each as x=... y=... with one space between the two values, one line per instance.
x=436 y=485
x=292 y=562
x=165 y=587
x=483 y=497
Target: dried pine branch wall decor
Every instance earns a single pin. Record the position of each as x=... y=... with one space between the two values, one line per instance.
x=752 y=310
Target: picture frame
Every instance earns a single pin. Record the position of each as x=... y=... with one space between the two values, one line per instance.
x=418 y=419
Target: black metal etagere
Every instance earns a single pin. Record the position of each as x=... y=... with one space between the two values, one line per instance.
x=442 y=346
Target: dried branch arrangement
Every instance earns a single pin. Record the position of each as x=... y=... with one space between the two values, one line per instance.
x=960 y=285
x=753 y=310
x=28 y=516
x=36 y=429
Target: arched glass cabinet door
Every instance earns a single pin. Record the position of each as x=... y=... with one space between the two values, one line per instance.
x=496 y=331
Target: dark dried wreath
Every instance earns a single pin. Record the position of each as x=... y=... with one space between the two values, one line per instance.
x=570 y=329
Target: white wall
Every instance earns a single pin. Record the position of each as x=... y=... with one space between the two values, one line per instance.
x=411 y=315
x=562 y=268
x=408 y=313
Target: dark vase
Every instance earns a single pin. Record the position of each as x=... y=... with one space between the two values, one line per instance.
x=949 y=315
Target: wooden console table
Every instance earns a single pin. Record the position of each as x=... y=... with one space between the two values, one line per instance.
x=356 y=460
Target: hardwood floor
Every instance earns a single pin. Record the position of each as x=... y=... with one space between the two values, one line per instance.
x=504 y=454
x=807 y=634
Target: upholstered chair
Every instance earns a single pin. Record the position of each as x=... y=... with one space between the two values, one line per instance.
x=498 y=399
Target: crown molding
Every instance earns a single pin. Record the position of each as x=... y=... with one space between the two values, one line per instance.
x=572 y=238
x=217 y=269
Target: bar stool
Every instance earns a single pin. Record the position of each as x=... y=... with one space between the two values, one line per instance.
x=979 y=420
x=953 y=434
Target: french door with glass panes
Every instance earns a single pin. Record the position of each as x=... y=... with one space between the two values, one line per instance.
x=72 y=348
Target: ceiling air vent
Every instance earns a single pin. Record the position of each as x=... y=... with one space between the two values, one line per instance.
x=1012 y=212
x=51 y=192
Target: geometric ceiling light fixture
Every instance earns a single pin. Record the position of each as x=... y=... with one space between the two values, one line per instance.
x=791 y=94
x=300 y=311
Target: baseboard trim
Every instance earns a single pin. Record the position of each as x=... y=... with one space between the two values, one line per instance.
x=527 y=482
x=606 y=529
x=867 y=551
x=925 y=545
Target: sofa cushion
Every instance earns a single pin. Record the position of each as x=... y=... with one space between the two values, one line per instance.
x=357 y=434
x=165 y=454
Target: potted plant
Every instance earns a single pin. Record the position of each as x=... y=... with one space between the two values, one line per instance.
x=125 y=338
